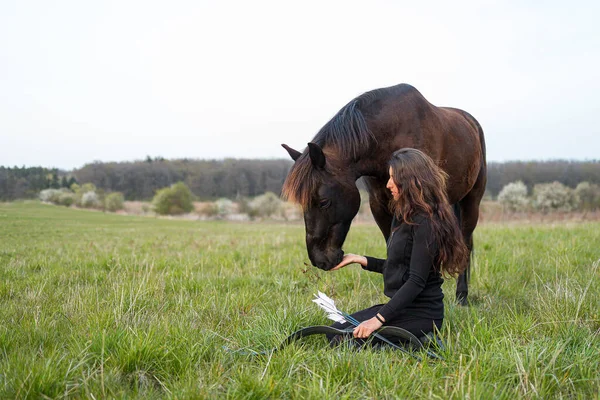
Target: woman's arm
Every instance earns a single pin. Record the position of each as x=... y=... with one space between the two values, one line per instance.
x=421 y=261
x=373 y=264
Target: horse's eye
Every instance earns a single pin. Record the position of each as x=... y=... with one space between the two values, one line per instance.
x=324 y=203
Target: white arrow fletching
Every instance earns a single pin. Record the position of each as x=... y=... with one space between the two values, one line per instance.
x=327 y=300
x=327 y=307
x=336 y=318
x=327 y=304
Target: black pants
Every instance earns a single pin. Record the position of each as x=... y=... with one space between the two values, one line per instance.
x=417 y=326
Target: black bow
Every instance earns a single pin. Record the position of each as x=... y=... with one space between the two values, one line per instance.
x=388 y=332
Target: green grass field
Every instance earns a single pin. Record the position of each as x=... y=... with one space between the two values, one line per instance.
x=96 y=305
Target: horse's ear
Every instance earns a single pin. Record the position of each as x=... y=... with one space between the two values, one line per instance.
x=293 y=153
x=316 y=155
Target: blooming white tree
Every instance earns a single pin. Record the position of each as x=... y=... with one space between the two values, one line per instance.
x=554 y=197
x=90 y=200
x=50 y=195
x=589 y=195
x=514 y=196
x=225 y=207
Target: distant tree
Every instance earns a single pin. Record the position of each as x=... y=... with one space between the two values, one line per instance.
x=266 y=205
x=514 y=196
x=50 y=195
x=62 y=196
x=173 y=200
x=66 y=198
x=589 y=196
x=114 y=201
x=80 y=191
x=554 y=197
x=55 y=182
x=225 y=207
x=244 y=207
x=91 y=199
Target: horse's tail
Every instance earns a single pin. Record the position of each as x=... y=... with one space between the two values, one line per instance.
x=481 y=139
x=456 y=209
x=483 y=166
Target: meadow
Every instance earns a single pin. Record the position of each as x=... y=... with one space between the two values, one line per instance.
x=98 y=305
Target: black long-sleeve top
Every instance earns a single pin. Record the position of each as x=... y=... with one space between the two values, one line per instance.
x=411 y=276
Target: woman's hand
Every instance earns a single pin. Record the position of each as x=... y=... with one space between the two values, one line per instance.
x=350 y=259
x=367 y=327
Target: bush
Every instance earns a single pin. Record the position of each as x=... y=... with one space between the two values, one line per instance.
x=50 y=195
x=173 y=200
x=208 y=209
x=224 y=207
x=245 y=207
x=80 y=191
x=66 y=199
x=114 y=201
x=265 y=205
x=588 y=195
x=61 y=197
x=514 y=196
x=554 y=197
x=91 y=200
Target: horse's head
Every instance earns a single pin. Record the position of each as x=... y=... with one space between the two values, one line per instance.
x=329 y=198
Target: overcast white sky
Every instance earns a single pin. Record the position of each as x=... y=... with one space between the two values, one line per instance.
x=119 y=80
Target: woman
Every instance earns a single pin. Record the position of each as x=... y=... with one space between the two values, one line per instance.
x=425 y=244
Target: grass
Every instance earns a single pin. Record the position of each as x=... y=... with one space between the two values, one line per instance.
x=97 y=305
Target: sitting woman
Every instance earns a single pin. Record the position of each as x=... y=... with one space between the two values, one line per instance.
x=425 y=244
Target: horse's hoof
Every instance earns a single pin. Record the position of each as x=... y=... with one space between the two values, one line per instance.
x=462 y=300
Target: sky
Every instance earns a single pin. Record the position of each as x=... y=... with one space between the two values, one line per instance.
x=84 y=81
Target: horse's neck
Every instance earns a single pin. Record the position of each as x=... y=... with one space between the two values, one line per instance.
x=372 y=163
x=373 y=167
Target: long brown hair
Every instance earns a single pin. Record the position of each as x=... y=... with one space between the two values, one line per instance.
x=422 y=189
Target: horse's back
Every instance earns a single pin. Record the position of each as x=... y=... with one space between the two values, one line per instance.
x=400 y=116
x=463 y=152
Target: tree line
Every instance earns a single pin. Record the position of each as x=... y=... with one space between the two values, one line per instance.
x=569 y=173
x=207 y=179
x=235 y=178
x=28 y=182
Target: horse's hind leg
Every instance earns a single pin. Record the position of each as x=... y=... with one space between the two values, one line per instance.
x=469 y=210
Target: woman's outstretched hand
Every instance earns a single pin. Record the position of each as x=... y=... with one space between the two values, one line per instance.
x=350 y=259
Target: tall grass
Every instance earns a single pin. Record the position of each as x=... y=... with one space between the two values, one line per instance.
x=97 y=305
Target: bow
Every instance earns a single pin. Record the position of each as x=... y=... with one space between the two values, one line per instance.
x=392 y=332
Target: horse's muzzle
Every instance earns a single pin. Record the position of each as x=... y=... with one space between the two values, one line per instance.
x=327 y=260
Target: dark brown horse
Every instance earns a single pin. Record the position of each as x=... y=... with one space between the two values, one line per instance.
x=358 y=142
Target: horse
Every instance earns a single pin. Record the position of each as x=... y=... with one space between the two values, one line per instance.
x=358 y=142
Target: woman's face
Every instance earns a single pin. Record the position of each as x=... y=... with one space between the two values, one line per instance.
x=391 y=185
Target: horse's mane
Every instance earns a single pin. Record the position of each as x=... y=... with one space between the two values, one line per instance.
x=344 y=137
x=347 y=132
